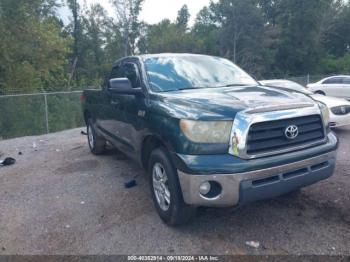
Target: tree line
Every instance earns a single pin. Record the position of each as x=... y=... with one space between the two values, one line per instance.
x=268 y=38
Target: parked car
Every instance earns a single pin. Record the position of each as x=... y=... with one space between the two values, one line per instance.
x=207 y=133
x=337 y=86
x=339 y=109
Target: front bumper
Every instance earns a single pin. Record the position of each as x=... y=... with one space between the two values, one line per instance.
x=339 y=120
x=263 y=182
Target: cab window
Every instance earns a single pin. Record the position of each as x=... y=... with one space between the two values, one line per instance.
x=127 y=70
x=131 y=72
x=116 y=72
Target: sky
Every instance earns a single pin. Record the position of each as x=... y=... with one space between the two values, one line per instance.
x=153 y=11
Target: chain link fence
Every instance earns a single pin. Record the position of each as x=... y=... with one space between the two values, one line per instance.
x=305 y=80
x=40 y=113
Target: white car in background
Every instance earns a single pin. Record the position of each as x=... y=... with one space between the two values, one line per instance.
x=337 y=86
x=339 y=109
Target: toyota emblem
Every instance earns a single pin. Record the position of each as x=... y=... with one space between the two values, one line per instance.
x=291 y=132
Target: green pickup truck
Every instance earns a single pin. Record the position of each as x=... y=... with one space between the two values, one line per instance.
x=207 y=133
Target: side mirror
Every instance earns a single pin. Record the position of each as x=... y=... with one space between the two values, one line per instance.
x=123 y=86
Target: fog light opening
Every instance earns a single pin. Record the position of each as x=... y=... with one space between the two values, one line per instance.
x=210 y=189
x=204 y=188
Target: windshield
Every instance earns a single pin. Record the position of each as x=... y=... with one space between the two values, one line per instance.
x=171 y=73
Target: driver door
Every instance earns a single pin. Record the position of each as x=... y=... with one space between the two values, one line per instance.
x=133 y=107
x=112 y=111
x=123 y=121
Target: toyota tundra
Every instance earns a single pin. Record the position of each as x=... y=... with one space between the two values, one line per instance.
x=207 y=133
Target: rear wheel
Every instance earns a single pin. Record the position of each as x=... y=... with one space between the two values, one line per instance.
x=96 y=143
x=166 y=190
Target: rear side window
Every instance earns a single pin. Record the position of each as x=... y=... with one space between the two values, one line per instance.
x=333 y=80
x=346 y=80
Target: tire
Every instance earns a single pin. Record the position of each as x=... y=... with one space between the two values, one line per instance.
x=177 y=212
x=96 y=143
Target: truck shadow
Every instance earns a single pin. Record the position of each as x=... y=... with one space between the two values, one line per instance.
x=341 y=130
x=115 y=152
x=283 y=210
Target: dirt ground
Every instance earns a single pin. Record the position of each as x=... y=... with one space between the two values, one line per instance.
x=60 y=199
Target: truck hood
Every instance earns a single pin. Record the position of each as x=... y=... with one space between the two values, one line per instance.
x=225 y=103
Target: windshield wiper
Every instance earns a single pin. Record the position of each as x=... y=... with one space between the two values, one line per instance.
x=206 y=87
x=192 y=87
x=229 y=85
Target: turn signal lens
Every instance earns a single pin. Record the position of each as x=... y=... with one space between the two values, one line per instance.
x=325 y=114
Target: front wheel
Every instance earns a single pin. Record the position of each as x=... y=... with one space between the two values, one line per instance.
x=166 y=190
x=97 y=144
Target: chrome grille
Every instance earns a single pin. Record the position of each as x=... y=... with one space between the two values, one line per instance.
x=266 y=137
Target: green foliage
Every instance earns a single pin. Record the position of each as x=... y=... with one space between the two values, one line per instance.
x=300 y=47
x=274 y=38
x=331 y=64
x=127 y=12
x=336 y=29
x=33 y=54
x=183 y=17
x=241 y=28
x=206 y=33
x=268 y=38
x=174 y=38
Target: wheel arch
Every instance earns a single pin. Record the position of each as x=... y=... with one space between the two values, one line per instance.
x=320 y=92
x=150 y=143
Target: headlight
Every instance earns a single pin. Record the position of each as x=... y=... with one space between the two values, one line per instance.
x=325 y=113
x=211 y=132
